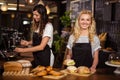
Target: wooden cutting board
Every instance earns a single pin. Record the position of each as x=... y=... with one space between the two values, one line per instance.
x=23 y=72
x=77 y=74
x=54 y=77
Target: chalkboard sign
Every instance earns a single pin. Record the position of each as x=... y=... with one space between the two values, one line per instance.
x=78 y=5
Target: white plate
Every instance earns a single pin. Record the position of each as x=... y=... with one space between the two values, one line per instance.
x=117 y=70
x=113 y=65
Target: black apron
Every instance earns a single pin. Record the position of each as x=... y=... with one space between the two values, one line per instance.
x=40 y=57
x=82 y=54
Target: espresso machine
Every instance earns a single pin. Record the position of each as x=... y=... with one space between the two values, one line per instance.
x=10 y=39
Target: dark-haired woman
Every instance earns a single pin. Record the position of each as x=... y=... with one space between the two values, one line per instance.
x=42 y=38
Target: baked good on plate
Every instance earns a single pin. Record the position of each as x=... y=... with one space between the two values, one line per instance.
x=69 y=62
x=83 y=70
x=72 y=69
x=116 y=62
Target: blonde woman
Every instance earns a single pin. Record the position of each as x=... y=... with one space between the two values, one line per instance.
x=83 y=44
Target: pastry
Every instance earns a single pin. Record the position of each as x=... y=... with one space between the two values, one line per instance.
x=55 y=73
x=49 y=68
x=69 y=62
x=116 y=62
x=38 y=68
x=72 y=69
x=41 y=73
x=83 y=70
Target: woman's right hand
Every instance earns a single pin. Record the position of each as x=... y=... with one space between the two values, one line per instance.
x=19 y=49
x=24 y=43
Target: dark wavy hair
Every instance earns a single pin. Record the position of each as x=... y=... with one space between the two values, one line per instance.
x=44 y=18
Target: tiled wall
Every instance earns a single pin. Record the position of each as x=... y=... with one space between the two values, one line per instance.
x=108 y=20
x=113 y=30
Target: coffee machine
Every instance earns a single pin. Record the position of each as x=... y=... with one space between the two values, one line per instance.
x=10 y=38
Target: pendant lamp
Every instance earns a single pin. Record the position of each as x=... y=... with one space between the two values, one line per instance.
x=4 y=6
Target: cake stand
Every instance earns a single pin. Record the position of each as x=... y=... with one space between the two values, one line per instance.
x=117 y=70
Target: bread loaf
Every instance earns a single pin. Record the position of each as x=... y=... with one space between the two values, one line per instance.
x=72 y=69
x=69 y=62
x=12 y=66
x=83 y=70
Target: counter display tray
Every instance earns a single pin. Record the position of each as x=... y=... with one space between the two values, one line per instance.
x=117 y=71
x=54 y=77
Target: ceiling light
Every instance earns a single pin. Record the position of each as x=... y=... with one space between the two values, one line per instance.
x=11 y=4
x=29 y=1
x=12 y=15
x=29 y=15
x=4 y=6
x=21 y=5
x=12 y=8
x=1 y=3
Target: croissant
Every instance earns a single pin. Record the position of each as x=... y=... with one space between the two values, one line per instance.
x=55 y=73
x=41 y=73
x=38 y=68
x=83 y=70
x=49 y=68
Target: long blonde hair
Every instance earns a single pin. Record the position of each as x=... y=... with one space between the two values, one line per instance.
x=91 y=29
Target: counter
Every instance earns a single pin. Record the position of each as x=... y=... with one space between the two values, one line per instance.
x=101 y=74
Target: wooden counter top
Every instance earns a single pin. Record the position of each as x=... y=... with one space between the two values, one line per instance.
x=101 y=74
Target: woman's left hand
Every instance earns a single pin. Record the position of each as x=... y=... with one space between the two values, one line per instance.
x=19 y=50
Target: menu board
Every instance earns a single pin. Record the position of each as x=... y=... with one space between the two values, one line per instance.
x=77 y=5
